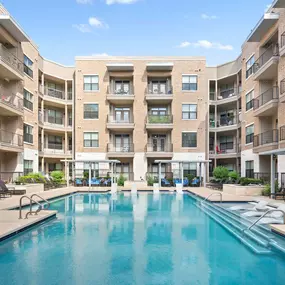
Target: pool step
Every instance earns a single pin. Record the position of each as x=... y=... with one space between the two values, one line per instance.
x=257 y=245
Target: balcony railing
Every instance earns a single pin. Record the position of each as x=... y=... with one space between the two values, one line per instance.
x=55 y=120
x=264 y=176
x=160 y=119
x=282 y=40
x=55 y=93
x=282 y=86
x=121 y=92
x=11 y=100
x=129 y=147
x=227 y=121
x=282 y=133
x=10 y=139
x=265 y=138
x=11 y=59
x=159 y=91
x=224 y=94
x=114 y=120
x=159 y=147
x=272 y=50
x=265 y=97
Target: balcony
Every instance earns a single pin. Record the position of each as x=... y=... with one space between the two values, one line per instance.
x=228 y=95
x=159 y=150
x=266 y=104
x=225 y=150
x=10 y=141
x=11 y=67
x=114 y=123
x=159 y=94
x=282 y=91
x=282 y=45
x=53 y=95
x=51 y=122
x=225 y=124
x=53 y=150
x=265 y=141
x=159 y=122
x=120 y=96
x=282 y=137
x=10 y=104
x=120 y=150
x=266 y=66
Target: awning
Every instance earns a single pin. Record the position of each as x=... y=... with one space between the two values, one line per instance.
x=120 y=66
x=159 y=66
x=280 y=151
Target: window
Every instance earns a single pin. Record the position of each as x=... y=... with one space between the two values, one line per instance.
x=28 y=166
x=189 y=82
x=55 y=117
x=226 y=142
x=54 y=167
x=249 y=132
x=249 y=169
x=91 y=82
x=91 y=139
x=249 y=100
x=91 y=111
x=189 y=168
x=55 y=142
x=122 y=87
x=28 y=100
x=249 y=67
x=94 y=169
x=28 y=133
x=189 y=111
x=189 y=139
x=28 y=66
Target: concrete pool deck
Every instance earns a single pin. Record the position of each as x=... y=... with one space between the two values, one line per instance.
x=9 y=222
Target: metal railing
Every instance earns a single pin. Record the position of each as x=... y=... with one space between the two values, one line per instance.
x=114 y=120
x=249 y=173
x=272 y=50
x=11 y=59
x=10 y=176
x=55 y=93
x=213 y=194
x=129 y=147
x=10 y=139
x=227 y=121
x=282 y=40
x=282 y=133
x=11 y=99
x=168 y=147
x=121 y=92
x=264 y=176
x=160 y=91
x=265 y=138
x=265 y=214
x=159 y=119
x=265 y=97
x=228 y=93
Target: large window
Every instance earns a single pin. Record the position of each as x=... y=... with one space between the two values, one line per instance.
x=54 y=167
x=28 y=66
x=55 y=117
x=189 y=111
x=91 y=111
x=122 y=87
x=28 y=100
x=189 y=139
x=94 y=169
x=28 y=166
x=91 y=82
x=189 y=168
x=249 y=132
x=189 y=82
x=226 y=142
x=249 y=66
x=249 y=100
x=55 y=142
x=91 y=139
x=249 y=169
x=28 y=133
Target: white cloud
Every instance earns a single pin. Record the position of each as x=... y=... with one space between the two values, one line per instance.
x=95 y=22
x=209 y=17
x=83 y=28
x=100 y=54
x=84 y=1
x=110 y=2
x=206 y=44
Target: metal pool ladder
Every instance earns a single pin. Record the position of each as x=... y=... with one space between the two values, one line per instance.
x=31 y=202
x=269 y=211
x=213 y=194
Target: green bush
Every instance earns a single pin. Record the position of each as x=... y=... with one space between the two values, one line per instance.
x=31 y=178
x=150 y=180
x=221 y=172
x=246 y=181
x=121 y=180
x=267 y=190
x=57 y=176
x=234 y=175
x=159 y=119
x=190 y=177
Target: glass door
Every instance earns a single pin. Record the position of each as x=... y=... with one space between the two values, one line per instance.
x=122 y=115
x=158 y=142
x=122 y=143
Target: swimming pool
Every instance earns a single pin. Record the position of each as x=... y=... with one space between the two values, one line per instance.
x=145 y=240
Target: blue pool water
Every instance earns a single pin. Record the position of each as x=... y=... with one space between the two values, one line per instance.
x=143 y=241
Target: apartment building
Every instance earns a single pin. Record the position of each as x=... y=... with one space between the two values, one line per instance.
x=141 y=109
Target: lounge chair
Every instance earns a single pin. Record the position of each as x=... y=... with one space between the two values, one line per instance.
x=273 y=215
x=4 y=190
x=165 y=182
x=107 y=182
x=195 y=182
x=94 y=182
x=78 y=182
x=260 y=206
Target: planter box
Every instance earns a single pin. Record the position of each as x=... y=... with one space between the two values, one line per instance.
x=254 y=190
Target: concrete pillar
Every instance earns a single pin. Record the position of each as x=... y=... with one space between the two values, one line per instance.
x=42 y=139
x=43 y=84
x=42 y=110
x=66 y=116
x=216 y=116
x=159 y=174
x=89 y=180
x=205 y=176
x=200 y=172
x=181 y=174
x=66 y=90
x=65 y=143
x=43 y=165
x=273 y=170
x=215 y=142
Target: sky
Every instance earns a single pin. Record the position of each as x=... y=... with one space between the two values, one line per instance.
x=63 y=29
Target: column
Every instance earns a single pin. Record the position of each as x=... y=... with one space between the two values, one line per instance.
x=65 y=143
x=89 y=180
x=42 y=110
x=273 y=170
x=42 y=140
x=43 y=84
x=66 y=90
x=66 y=116
x=159 y=175
x=43 y=165
x=181 y=174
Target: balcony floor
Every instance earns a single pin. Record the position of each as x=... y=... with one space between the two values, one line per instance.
x=269 y=70
x=266 y=110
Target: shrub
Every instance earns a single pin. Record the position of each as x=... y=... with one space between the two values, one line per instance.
x=31 y=178
x=234 y=175
x=221 y=172
x=190 y=177
x=150 y=180
x=246 y=181
x=57 y=176
x=267 y=190
x=121 y=180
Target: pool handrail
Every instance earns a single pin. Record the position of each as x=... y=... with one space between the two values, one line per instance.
x=48 y=203
x=212 y=194
x=31 y=200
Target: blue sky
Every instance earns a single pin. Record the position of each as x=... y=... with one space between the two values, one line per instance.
x=64 y=29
